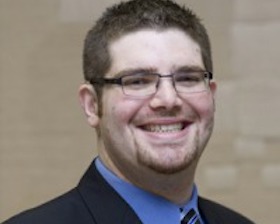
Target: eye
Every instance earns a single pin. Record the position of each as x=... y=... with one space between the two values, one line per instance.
x=188 y=77
x=138 y=80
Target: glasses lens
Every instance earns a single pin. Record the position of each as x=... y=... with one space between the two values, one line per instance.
x=140 y=84
x=190 y=82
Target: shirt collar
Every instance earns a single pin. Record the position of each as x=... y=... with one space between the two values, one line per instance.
x=149 y=207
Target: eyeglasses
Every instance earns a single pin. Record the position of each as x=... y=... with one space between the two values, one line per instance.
x=143 y=84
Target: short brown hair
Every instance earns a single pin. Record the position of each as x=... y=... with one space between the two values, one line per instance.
x=134 y=15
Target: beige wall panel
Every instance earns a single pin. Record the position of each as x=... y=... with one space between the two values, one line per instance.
x=259 y=107
x=257 y=10
x=255 y=49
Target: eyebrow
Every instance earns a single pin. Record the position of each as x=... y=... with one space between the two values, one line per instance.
x=185 y=68
x=133 y=71
x=188 y=68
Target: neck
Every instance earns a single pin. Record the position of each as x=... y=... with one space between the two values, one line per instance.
x=176 y=187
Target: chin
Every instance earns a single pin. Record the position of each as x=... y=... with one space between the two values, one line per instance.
x=168 y=167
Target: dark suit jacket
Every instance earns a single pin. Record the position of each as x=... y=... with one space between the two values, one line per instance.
x=94 y=201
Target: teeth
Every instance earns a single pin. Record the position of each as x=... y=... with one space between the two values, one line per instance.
x=164 y=128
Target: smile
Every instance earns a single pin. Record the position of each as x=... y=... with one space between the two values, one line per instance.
x=164 y=128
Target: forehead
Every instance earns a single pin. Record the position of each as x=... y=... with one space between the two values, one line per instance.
x=162 y=51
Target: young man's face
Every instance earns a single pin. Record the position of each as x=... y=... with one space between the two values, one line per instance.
x=167 y=131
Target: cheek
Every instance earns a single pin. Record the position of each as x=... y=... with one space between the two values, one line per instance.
x=207 y=99
x=121 y=110
x=204 y=107
x=206 y=113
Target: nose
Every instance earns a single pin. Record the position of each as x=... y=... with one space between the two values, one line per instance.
x=166 y=96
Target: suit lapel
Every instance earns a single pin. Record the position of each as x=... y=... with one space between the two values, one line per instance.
x=208 y=212
x=103 y=202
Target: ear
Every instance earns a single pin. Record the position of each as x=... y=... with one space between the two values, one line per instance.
x=89 y=102
x=213 y=89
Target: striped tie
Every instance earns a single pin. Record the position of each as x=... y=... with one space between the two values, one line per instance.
x=190 y=218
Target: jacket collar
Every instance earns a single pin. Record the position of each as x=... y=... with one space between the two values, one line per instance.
x=102 y=201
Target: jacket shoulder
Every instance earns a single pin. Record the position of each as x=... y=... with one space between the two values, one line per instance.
x=67 y=208
x=217 y=213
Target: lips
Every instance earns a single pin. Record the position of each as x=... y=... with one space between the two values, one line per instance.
x=163 y=128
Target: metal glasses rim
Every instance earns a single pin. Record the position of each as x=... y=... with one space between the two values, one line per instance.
x=117 y=81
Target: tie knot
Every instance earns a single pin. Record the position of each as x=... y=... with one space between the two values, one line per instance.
x=191 y=218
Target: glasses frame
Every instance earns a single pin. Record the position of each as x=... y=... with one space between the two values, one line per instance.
x=208 y=76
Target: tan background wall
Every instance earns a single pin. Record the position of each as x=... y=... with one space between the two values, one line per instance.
x=45 y=143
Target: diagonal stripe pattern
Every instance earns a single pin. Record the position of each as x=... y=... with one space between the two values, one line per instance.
x=190 y=218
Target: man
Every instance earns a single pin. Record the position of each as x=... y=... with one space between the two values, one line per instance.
x=149 y=94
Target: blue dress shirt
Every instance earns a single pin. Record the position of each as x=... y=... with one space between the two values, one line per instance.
x=149 y=207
